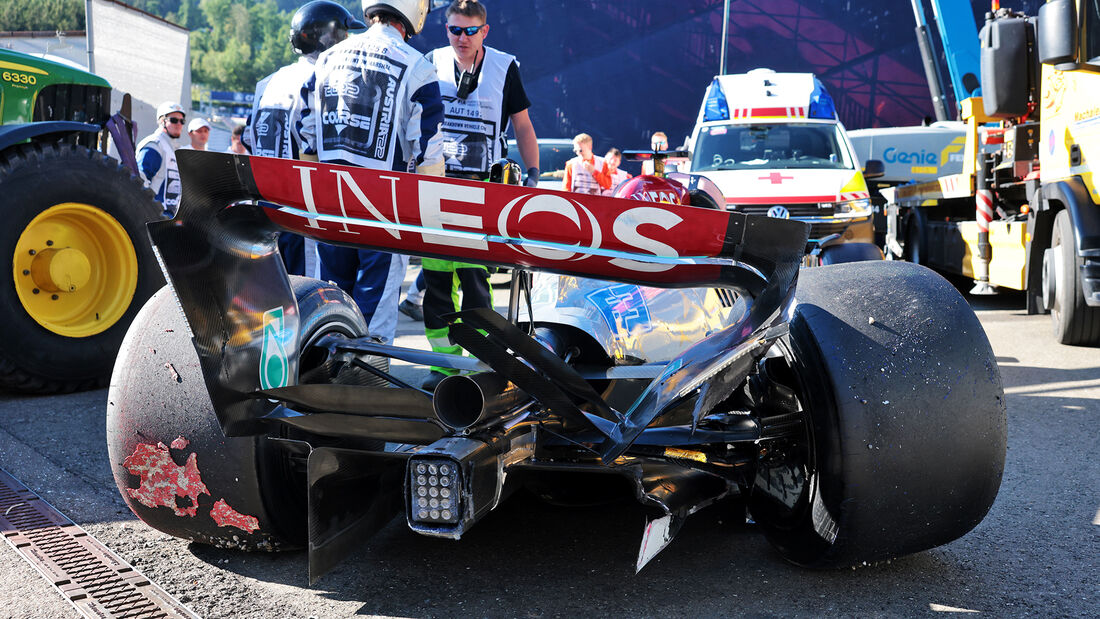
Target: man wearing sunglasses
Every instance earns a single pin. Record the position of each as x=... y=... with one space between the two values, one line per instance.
x=156 y=156
x=482 y=94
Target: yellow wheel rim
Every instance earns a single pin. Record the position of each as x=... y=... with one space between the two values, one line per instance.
x=75 y=270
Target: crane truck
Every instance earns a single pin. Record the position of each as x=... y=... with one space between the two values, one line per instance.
x=1024 y=213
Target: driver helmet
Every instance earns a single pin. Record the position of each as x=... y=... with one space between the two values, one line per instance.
x=319 y=25
x=167 y=108
x=412 y=12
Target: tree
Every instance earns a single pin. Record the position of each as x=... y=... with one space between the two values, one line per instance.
x=189 y=16
x=244 y=42
x=41 y=15
x=160 y=8
x=234 y=43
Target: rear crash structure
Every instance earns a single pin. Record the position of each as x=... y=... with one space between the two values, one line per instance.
x=855 y=410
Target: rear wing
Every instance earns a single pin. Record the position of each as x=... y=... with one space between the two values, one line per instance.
x=220 y=252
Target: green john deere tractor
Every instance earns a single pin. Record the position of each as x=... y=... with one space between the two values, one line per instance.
x=81 y=265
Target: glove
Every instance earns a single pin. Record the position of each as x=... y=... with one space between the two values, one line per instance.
x=435 y=168
x=532 y=177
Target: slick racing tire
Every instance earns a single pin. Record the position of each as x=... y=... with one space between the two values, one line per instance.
x=1075 y=323
x=173 y=466
x=904 y=442
x=81 y=265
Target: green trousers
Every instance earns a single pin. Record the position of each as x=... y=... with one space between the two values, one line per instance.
x=442 y=281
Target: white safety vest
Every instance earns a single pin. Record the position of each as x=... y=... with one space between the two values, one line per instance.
x=473 y=137
x=166 y=182
x=361 y=108
x=276 y=110
x=616 y=178
x=581 y=180
x=273 y=126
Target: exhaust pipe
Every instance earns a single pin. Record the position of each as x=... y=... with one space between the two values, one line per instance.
x=462 y=401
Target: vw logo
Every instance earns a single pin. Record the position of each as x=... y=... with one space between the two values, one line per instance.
x=779 y=212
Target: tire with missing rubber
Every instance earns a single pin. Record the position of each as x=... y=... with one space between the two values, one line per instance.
x=173 y=466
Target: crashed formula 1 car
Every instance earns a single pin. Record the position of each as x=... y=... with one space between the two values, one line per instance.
x=856 y=410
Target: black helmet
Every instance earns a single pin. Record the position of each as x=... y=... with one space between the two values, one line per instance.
x=319 y=25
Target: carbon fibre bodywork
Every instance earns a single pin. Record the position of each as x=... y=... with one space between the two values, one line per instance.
x=694 y=346
x=659 y=344
x=220 y=256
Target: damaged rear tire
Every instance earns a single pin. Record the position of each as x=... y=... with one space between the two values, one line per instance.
x=173 y=466
x=905 y=436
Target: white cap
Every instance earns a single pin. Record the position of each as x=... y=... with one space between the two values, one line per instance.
x=197 y=124
x=168 y=107
x=415 y=12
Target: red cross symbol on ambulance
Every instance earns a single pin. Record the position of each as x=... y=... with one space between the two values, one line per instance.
x=776 y=178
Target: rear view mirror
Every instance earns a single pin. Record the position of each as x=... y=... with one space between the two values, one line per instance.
x=874 y=168
x=1058 y=33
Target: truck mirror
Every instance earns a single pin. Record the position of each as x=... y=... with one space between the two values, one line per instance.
x=874 y=168
x=1058 y=33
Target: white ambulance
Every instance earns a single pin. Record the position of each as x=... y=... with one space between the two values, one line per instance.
x=773 y=145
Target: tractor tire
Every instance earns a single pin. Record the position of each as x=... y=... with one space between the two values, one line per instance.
x=1075 y=323
x=904 y=443
x=82 y=265
x=172 y=464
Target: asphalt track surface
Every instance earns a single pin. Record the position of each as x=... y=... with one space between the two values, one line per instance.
x=1037 y=553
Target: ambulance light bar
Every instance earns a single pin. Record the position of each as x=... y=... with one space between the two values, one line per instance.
x=821 y=103
x=716 y=107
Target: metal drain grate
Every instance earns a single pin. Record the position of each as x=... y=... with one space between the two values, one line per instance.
x=94 y=579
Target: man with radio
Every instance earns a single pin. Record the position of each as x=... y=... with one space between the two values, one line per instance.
x=482 y=95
